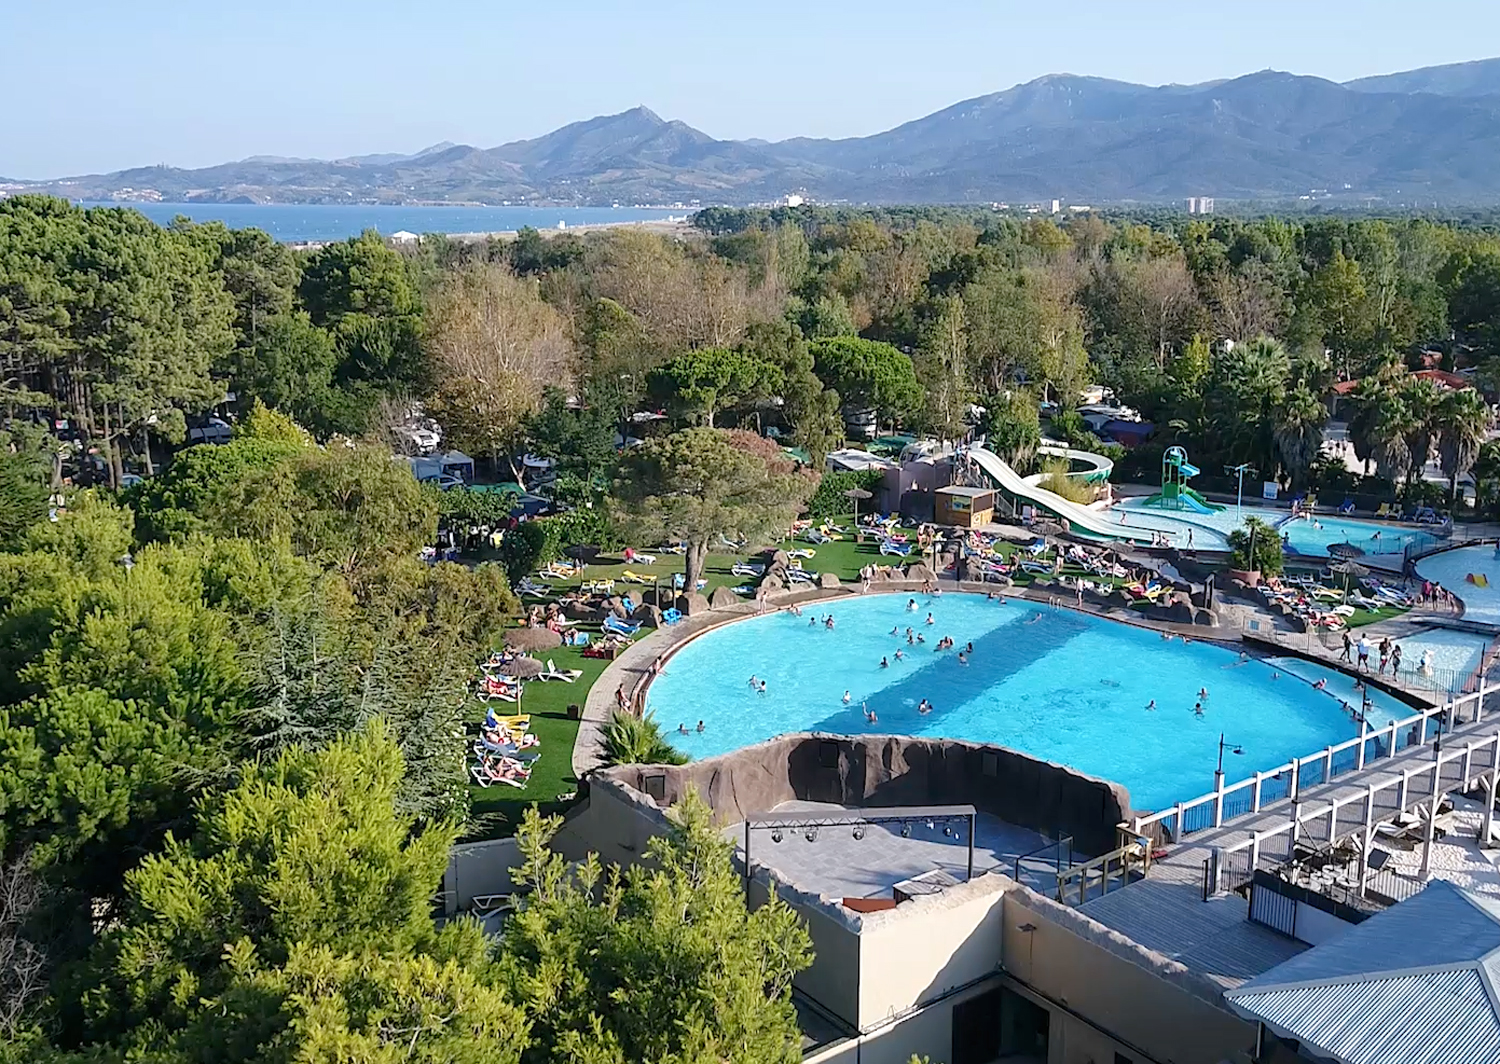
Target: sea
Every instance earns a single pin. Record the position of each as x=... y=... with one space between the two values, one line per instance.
x=294 y=223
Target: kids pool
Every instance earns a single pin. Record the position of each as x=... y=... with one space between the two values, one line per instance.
x=1053 y=683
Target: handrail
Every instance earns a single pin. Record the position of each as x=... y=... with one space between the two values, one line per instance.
x=1300 y=767
x=1125 y=857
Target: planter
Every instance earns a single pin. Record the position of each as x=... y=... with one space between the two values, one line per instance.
x=1248 y=577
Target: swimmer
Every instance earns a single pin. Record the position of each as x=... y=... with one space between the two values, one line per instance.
x=1198 y=709
x=969 y=649
x=911 y=640
x=829 y=623
x=963 y=659
x=812 y=622
x=921 y=638
x=762 y=687
x=911 y=605
x=895 y=629
x=1035 y=617
x=753 y=681
x=869 y=713
x=1151 y=705
x=900 y=654
x=1320 y=685
x=700 y=727
x=1166 y=637
x=1203 y=692
x=930 y=620
x=908 y=635
x=1275 y=675
x=847 y=698
x=682 y=729
x=884 y=664
x=925 y=707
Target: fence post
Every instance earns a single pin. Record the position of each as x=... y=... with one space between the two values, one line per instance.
x=1390 y=749
x=1333 y=821
x=1479 y=701
x=1489 y=805
x=1401 y=794
x=1294 y=791
x=1364 y=731
x=1327 y=764
x=1468 y=760
x=1180 y=826
x=1255 y=793
x=1219 y=803
x=1369 y=839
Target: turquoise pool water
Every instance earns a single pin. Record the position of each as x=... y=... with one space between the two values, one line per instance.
x=1211 y=530
x=1452 y=568
x=1055 y=684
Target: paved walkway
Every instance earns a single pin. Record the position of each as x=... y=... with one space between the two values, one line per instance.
x=1166 y=911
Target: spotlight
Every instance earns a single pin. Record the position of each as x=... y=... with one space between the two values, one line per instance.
x=929 y=825
x=812 y=835
x=905 y=830
x=776 y=835
x=859 y=832
x=947 y=831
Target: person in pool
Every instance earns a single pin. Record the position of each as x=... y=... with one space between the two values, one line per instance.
x=911 y=605
x=930 y=620
x=829 y=623
x=895 y=629
x=1151 y=705
x=847 y=697
x=682 y=729
x=700 y=727
x=1035 y=617
x=963 y=659
x=762 y=687
x=754 y=682
x=1203 y=692
x=900 y=655
x=1320 y=685
x=969 y=648
x=885 y=664
x=924 y=707
x=869 y=713
x=1198 y=709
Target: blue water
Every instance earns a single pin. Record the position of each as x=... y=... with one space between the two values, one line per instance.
x=1452 y=569
x=1311 y=538
x=1055 y=684
x=302 y=223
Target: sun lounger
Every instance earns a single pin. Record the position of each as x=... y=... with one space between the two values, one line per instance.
x=743 y=589
x=644 y=559
x=615 y=626
x=802 y=552
x=814 y=536
x=528 y=586
x=900 y=550
x=598 y=586
x=674 y=548
x=747 y=569
x=632 y=577
x=725 y=541
x=552 y=672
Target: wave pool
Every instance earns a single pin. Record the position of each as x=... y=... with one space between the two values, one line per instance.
x=1056 y=684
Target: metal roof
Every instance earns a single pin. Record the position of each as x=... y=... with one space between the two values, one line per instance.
x=1418 y=983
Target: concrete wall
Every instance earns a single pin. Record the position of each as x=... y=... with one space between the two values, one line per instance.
x=928 y=1033
x=927 y=947
x=892 y=770
x=476 y=869
x=1142 y=999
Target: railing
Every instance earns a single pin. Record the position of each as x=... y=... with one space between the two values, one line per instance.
x=1104 y=870
x=1228 y=803
x=1061 y=858
x=1325 y=825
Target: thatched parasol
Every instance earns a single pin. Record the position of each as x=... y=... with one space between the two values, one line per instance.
x=532 y=639
x=854 y=495
x=582 y=552
x=524 y=668
x=1349 y=568
x=1345 y=551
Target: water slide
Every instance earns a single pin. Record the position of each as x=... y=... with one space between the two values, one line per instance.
x=1079 y=517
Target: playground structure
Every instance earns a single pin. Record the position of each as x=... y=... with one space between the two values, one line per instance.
x=1175 y=494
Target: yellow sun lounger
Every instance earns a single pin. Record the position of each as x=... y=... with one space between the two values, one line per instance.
x=635 y=578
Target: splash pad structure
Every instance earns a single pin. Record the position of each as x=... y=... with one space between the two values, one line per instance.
x=1175 y=494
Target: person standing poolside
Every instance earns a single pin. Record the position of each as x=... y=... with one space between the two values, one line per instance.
x=1364 y=652
x=1348 y=646
x=1395 y=659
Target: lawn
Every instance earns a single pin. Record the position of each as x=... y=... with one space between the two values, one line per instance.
x=497 y=810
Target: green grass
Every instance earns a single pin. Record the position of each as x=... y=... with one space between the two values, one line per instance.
x=498 y=809
x=1385 y=613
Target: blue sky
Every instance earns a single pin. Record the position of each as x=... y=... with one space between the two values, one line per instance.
x=95 y=85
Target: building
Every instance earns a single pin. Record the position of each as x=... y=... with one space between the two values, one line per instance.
x=1056 y=206
x=1200 y=205
x=962 y=507
x=401 y=236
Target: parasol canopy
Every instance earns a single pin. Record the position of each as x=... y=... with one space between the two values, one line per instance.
x=532 y=639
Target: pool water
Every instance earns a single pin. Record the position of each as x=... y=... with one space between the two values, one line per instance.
x=1056 y=684
x=1211 y=530
x=1452 y=569
x=1455 y=656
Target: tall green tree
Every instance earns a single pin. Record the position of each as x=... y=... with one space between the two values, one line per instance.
x=1298 y=432
x=662 y=962
x=701 y=485
x=870 y=377
x=942 y=366
x=699 y=384
x=1461 y=420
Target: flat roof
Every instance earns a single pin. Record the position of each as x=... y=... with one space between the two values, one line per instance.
x=836 y=865
x=960 y=489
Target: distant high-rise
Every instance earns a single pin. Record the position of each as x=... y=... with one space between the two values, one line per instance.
x=1056 y=206
x=1200 y=204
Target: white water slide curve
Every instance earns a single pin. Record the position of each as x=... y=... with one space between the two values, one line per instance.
x=1080 y=517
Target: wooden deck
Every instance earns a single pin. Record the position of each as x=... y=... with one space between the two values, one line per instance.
x=1166 y=911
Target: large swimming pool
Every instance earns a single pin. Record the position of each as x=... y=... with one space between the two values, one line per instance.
x=1308 y=537
x=1056 y=684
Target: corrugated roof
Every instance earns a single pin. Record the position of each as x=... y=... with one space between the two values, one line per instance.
x=1416 y=983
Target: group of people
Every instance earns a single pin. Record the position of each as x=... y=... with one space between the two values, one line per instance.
x=1389 y=654
x=1435 y=594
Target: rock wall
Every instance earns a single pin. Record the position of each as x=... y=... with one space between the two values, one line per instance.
x=894 y=770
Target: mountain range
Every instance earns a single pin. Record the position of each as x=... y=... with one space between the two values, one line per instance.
x=1418 y=137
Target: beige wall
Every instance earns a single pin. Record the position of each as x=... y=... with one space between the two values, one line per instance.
x=926 y=1033
x=1144 y=999
x=927 y=947
x=477 y=869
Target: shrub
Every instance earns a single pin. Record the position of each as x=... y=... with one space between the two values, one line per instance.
x=522 y=549
x=632 y=740
x=1056 y=480
x=829 y=501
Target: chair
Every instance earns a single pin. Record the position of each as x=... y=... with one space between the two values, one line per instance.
x=671 y=616
x=1385 y=510
x=552 y=672
x=900 y=550
x=615 y=626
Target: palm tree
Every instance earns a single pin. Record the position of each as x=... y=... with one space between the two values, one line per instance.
x=1298 y=431
x=1461 y=420
x=1421 y=398
x=632 y=740
x=1390 y=438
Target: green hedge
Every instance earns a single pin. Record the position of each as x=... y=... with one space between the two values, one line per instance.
x=829 y=501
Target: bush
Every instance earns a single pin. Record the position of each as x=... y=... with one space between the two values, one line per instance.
x=829 y=501
x=522 y=549
x=1255 y=547
x=1056 y=480
x=632 y=740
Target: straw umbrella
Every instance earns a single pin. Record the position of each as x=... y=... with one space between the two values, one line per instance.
x=525 y=668
x=1349 y=568
x=530 y=639
x=854 y=495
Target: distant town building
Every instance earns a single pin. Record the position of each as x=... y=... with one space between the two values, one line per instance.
x=1200 y=205
x=793 y=200
x=401 y=236
x=1056 y=206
